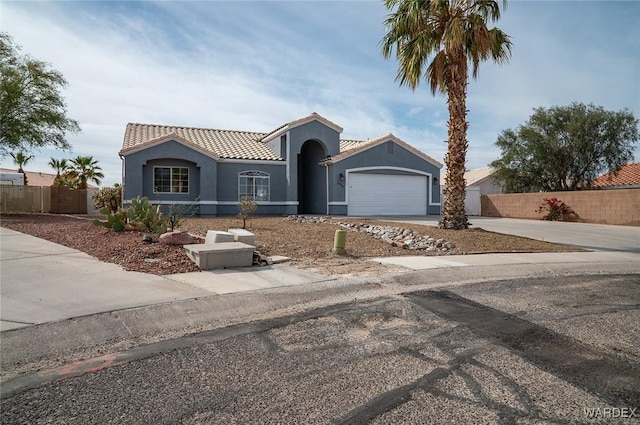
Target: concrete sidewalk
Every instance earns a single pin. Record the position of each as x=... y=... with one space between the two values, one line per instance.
x=41 y=282
x=425 y=263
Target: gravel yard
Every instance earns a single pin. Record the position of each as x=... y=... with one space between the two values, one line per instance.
x=309 y=245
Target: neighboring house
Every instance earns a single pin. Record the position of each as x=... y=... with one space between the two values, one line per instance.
x=33 y=178
x=38 y=179
x=479 y=182
x=301 y=167
x=627 y=177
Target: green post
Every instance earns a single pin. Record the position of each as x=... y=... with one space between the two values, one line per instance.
x=339 y=241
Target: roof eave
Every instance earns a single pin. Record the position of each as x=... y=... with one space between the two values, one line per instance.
x=164 y=139
x=379 y=141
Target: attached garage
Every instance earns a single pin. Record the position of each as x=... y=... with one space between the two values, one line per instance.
x=386 y=194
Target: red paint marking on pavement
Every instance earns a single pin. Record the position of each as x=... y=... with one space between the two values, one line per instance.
x=81 y=367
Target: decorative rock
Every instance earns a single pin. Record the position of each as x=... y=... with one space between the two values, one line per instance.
x=396 y=236
x=176 y=238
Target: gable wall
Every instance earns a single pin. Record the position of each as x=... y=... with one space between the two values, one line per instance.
x=314 y=130
x=138 y=178
x=380 y=156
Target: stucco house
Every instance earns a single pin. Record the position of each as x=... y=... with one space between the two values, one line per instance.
x=301 y=167
x=479 y=181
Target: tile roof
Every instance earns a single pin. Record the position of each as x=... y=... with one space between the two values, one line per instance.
x=314 y=116
x=229 y=144
x=628 y=175
x=234 y=144
x=347 y=145
x=36 y=178
x=478 y=175
x=472 y=176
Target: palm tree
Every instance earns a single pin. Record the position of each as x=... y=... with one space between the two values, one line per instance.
x=62 y=167
x=84 y=169
x=20 y=159
x=455 y=33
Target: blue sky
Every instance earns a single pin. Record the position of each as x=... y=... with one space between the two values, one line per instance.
x=247 y=65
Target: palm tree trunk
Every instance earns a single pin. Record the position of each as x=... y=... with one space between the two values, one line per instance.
x=454 y=215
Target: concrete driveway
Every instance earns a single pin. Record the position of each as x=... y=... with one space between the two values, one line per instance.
x=596 y=237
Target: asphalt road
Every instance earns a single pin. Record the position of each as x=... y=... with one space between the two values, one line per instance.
x=554 y=349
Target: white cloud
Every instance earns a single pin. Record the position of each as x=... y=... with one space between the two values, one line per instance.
x=256 y=65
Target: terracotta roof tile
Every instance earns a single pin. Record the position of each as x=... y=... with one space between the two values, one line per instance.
x=628 y=175
x=233 y=144
x=36 y=178
x=229 y=144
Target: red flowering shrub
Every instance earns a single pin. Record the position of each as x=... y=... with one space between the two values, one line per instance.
x=556 y=210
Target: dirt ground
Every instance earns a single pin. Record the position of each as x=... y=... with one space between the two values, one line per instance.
x=309 y=245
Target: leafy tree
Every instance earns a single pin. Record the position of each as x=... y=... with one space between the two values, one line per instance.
x=454 y=34
x=62 y=167
x=565 y=148
x=20 y=159
x=84 y=169
x=33 y=113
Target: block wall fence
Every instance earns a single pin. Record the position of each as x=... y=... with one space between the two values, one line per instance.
x=613 y=206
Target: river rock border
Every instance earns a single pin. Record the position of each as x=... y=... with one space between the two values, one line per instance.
x=401 y=237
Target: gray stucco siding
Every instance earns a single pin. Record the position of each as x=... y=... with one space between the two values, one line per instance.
x=139 y=175
x=379 y=156
x=327 y=137
x=228 y=182
x=263 y=209
x=314 y=130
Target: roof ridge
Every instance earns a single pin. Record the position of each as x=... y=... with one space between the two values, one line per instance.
x=196 y=128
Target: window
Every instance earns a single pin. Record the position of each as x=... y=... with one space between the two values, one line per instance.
x=170 y=180
x=253 y=185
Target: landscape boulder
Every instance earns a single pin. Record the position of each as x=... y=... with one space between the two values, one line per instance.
x=177 y=238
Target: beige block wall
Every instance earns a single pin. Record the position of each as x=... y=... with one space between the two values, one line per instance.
x=615 y=206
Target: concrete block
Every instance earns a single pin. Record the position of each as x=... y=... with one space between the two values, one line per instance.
x=215 y=236
x=220 y=255
x=244 y=236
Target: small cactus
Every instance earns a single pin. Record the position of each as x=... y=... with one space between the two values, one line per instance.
x=116 y=221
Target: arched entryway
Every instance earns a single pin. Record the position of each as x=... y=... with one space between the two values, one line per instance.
x=312 y=184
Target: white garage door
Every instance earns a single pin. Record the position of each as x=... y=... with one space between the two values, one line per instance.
x=386 y=194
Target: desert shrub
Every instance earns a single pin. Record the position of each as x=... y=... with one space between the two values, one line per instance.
x=246 y=206
x=556 y=210
x=177 y=214
x=108 y=197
